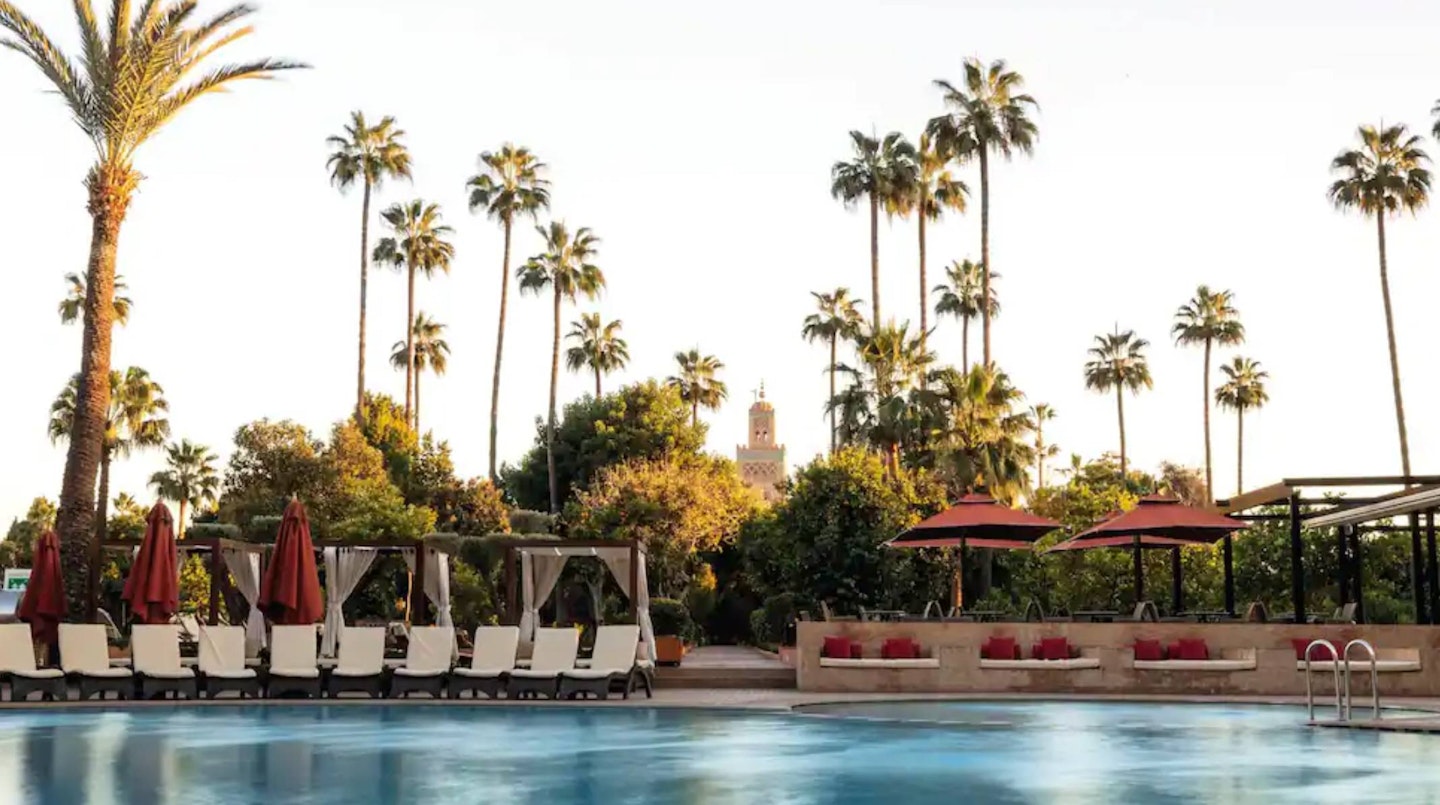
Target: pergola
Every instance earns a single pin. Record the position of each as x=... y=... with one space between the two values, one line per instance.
x=1350 y=517
x=541 y=562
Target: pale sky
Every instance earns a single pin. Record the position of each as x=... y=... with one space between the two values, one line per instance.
x=1179 y=144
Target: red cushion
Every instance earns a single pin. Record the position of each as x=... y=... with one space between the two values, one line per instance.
x=855 y=650
x=899 y=648
x=836 y=646
x=1193 y=649
x=1000 y=648
x=1149 y=650
x=1320 y=653
x=1054 y=648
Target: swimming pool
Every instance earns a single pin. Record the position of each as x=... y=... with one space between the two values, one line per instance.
x=1022 y=752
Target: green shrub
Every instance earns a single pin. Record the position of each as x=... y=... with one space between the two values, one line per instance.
x=670 y=617
x=212 y=531
x=262 y=528
x=769 y=623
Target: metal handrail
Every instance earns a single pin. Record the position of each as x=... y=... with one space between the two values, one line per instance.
x=1374 y=676
x=1309 y=685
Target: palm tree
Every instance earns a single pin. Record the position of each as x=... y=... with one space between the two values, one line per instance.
x=837 y=318
x=961 y=299
x=510 y=185
x=884 y=172
x=74 y=302
x=432 y=352
x=565 y=268
x=989 y=114
x=1118 y=362
x=880 y=406
x=983 y=434
x=1040 y=414
x=189 y=478
x=134 y=75
x=418 y=244
x=1209 y=318
x=1385 y=175
x=369 y=155
x=697 y=382
x=936 y=190
x=598 y=347
x=135 y=421
x=1243 y=389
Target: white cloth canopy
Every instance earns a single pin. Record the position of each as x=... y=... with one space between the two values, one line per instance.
x=540 y=569
x=542 y=572
x=437 y=585
x=344 y=568
x=245 y=570
x=619 y=564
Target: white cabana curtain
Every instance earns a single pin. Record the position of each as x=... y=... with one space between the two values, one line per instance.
x=619 y=564
x=244 y=568
x=344 y=568
x=437 y=586
x=540 y=574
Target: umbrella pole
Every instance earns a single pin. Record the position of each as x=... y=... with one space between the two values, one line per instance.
x=1139 y=571
x=959 y=585
x=1177 y=603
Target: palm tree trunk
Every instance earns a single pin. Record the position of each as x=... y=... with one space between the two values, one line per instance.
x=417 y=403
x=1209 y=475
x=1240 y=451
x=695 y=412
x=875 y=259
x=499 y=351
x=180 y=522
x=1040 y=456
x=597 y=382
x=92 y=576
x=410 y=347
x=1394 y=356
x=834 y=434
x=109 y=196
x=364 y=289
x=924 y=304
x=985 y=246
x=550 y=427
x=1120 y=410
x=965 y=343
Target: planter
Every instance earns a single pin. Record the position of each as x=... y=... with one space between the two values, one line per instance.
x=669 y=650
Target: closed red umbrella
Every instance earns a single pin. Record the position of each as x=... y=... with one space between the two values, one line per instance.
x=43 y=606
x=290 y=591
x=153 y=587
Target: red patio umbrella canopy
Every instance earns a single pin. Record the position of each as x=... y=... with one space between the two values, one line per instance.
x=153 y=587
x=1160 y=516
x=43 y=605
x=290 y=591
x=980 y=522
x=1146 y=541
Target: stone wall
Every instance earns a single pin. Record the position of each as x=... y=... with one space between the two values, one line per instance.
x=957 y=646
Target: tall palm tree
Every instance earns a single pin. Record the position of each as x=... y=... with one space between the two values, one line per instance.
x=432 y=352
x=510 y=185
x=135 y=421
x=988 y=114
x=838 y=318
x=1385 y=175
x=565 y=268
x=984 y=432
x=73 y=305
x=881 y=407
x=884 y=173
x=1243 y=389
x=961 y=299
x=418 y=244
x=936 y=190
x=369 y=155
x=698 y=383
x=1209 y=318
x=598 y=347
x=1117 y=361
x=189 y=478
x=1040 y=414
x=135 y=73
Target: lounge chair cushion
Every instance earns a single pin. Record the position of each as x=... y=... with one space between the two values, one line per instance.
x=107 y=673
x=554 y=653
x=170 y=673
x=222 y=651
x=527 y=673
x=83 y=649
x=1321 y=652
x=482 y=673
x=418 y=672
x=1149 y=650
x=296 y=673
x=156 y=651
x=362 y=652
x=494 y=652
x=591 y=673
x=429 y=651
x=293 y=651
x=614 y=652
x=241 y=673
x=40 y=673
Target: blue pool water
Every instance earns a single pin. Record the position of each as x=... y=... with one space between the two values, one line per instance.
x=1036 y=752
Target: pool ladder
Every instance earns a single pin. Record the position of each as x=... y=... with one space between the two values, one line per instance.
x=1343 y=695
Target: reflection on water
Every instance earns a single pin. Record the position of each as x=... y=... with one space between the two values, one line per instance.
x=987 y=753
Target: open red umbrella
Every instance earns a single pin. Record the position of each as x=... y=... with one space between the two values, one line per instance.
x=976 y=521
x=290 y=591
x=43 y=605
x=153 y=587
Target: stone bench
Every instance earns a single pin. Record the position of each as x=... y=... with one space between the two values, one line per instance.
x=1072 y=664
x=921 y=662
x=1240 y=659
x=1387 y=661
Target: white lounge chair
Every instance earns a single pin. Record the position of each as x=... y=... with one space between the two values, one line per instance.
x=85 y=655
x=491 y=661
x=294 y=666
x=612 y=661
x=361 y=664
x=555 y=651
x=156 y=652
x=427 y=661
x=17 y=666
x=222 y=662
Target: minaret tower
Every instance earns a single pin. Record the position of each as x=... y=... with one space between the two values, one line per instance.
x=762 y=461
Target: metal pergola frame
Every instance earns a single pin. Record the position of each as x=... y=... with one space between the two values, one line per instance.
x=1350 y=516
x=213 y=546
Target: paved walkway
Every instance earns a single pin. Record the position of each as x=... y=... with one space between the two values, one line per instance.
x=731 y=657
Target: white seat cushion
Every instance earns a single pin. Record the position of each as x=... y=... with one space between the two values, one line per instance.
x=482 y=673
x=108 y=673
x=1071 y=664
x=171 y=673
x=1194 y=665
x=356 y=673
x=922 y=662
x=296 y=673
x=240 y=673
x=527 y=673
x=40 y=673
x=1363 y=666
x=418 y=672
x=593 y=673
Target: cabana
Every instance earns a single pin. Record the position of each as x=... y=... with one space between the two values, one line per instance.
x=541 y=562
